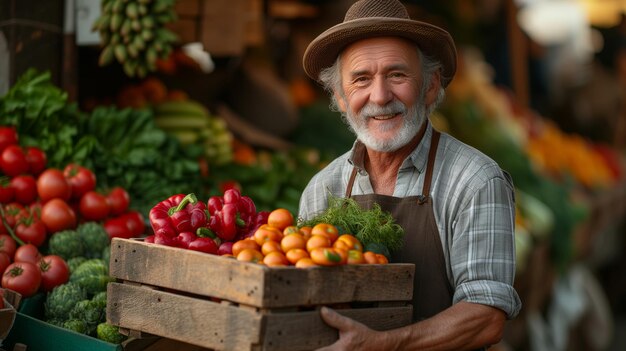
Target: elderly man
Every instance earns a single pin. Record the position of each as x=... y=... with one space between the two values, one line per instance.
x=386 y=73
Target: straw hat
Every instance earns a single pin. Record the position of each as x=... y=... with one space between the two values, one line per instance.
x=375 y=18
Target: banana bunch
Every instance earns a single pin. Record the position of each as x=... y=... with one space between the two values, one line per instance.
x=192 y=123
x=133 y=33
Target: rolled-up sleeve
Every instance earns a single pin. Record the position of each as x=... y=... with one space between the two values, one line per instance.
x=482 y=254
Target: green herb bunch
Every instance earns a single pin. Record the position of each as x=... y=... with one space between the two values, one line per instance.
x=369 y=226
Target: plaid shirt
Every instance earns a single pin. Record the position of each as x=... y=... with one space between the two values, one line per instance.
x=474 y=207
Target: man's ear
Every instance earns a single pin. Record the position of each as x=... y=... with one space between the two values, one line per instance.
x=433 y=88
x=341 y=102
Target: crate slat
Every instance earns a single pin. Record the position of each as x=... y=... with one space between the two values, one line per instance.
x=228 y=327
x=257 y=285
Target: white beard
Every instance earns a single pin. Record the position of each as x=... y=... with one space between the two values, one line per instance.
x=413 y=118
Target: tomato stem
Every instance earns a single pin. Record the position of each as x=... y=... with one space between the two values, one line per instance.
x=9 y=229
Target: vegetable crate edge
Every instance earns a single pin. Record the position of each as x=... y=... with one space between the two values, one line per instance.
x=223 y=304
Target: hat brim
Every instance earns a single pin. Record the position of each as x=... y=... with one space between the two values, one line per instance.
x=433 y=41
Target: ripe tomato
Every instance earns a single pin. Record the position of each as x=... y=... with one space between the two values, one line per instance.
x=327 y=230
x=118 y=200
x=7 y=193
x=8 y=245
x=57 y=215
x=374 y=258
x=305 y=262
x=270 y=246
x=81 y=179
x=326 y=256
x=5 y=261
x=316 y=241
x=267 y=232
x=348 y=242
x=22 y=277
x=295 y=255
x=52 y=184
x=134 y=222
x=36 y=159
x=280 y=218
x=118 y=228
x=355 y=257
x=13 y=212
x=93 y=206
x=13 y=161
x=25 y=188
x=250 y=255
x=8 y=136
x=275 y=259
x=27 y=253
x=240 y=245
x=293 y=241
x=54 y=272
x=31 y=230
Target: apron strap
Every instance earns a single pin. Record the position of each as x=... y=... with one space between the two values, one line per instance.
x=351 y=182
x=432 y=152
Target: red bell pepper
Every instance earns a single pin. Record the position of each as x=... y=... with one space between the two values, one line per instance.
x=178 y=213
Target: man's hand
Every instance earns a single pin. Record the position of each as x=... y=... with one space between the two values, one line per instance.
x=352 y=334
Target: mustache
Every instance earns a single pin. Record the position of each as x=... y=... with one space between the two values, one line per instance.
x=392 y=108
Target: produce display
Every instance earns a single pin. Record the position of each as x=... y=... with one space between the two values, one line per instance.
x=133 y=33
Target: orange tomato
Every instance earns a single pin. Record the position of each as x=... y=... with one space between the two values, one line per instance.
x=250 y=255
x=305 y=262
x=244 y=244
x=293 y=241
x=326 y=256
x=327 y=230
x=291 y=229
x=355 y=257
x=348 y=242
x=270 y=246
x=316 y=241
x=306 y=231
x=267 y=232
x=280 y=218
x=382 y=259
x=294 y=255
x=275 y=258
x=374 y=258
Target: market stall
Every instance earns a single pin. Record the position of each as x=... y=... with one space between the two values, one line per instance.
x=179 y=112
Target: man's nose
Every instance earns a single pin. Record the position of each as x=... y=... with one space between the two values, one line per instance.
x=381 y=93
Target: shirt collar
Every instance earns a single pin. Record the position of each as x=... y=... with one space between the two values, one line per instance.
x=417 y=158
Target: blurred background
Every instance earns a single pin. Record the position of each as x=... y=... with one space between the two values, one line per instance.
x=541 y=88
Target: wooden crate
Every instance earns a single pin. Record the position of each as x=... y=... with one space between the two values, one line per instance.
x=223 y=304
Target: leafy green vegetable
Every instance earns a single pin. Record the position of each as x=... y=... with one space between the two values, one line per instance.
x=66 y=244
x=94 y=238
x=109 y=333
x=60 y=301
x=369 y=226
x=123 y=147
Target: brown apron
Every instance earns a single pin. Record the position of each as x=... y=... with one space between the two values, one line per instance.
x=432 y=292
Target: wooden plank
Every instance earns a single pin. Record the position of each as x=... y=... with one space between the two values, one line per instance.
x=257 y=285
x=307 y=330
x=192 y=320
x=225 y=327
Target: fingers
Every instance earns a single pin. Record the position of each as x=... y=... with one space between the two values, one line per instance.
x=333 y=318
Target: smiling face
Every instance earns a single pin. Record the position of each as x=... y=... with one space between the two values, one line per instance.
x=381 y=97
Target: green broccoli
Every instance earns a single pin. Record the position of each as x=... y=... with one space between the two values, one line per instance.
x=74 y=262
x=100 y=299
x=93 y=266
x=77 y=325
x=66 y=244
x=60 y=301
x=109 y=333
x=94 y=238
x=89 y=312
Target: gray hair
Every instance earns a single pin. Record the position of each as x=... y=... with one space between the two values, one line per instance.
x=331 y=81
